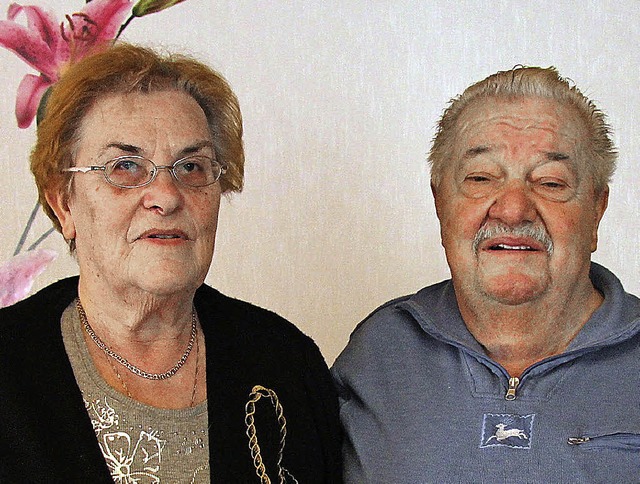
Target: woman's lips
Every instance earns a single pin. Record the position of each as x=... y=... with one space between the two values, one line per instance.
x=162 y=235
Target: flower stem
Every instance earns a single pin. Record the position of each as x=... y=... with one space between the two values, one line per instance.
x=41 y=238
x=124 y=26
x=27 y=228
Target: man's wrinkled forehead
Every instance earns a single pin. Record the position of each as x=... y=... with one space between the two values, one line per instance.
x=549 y=118
x=523 y=112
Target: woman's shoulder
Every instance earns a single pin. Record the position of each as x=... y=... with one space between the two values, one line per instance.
x=33 y=324
x=48 y=302
x=239 y=317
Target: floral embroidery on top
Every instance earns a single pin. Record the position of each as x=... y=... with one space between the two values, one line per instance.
x=105 y=416
x=129 y=462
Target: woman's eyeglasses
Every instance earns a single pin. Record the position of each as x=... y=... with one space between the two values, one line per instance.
x=137 y=171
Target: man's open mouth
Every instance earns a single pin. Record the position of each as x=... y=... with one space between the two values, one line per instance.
x=511 y=247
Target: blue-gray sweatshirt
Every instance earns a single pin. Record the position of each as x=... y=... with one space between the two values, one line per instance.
x=422 y=403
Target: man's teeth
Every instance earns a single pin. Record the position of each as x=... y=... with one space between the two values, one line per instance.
x=163 y=236
x=513 y=247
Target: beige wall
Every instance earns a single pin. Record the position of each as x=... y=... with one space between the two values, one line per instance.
x=340 y=98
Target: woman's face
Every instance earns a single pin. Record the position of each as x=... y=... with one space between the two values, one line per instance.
x=158 y=238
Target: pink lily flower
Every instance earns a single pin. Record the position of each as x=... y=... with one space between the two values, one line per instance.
x=48 y=46
x=18 y=273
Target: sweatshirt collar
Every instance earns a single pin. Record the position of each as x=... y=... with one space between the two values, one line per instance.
x=618 y=318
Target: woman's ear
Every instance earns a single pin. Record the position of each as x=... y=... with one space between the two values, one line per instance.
x=59 y=203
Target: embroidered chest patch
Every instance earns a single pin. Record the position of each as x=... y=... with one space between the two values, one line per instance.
x=507 y=430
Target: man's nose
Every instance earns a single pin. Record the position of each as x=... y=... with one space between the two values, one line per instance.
x=514 y=204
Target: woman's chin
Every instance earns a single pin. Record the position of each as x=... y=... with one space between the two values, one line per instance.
x=167 y=280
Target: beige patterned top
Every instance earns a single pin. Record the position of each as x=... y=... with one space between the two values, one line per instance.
x=140 y=443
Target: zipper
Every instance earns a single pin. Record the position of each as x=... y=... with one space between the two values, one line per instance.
x=578 y=440
x=513 y=386
x=619 y=440
x=429 y=328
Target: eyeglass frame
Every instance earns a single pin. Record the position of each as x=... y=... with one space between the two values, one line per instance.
x=154 y=171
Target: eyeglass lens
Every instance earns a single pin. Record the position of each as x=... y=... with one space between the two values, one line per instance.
x=132 y=171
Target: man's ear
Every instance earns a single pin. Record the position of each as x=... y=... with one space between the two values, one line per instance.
x=435 y=199
x=59 y=203
x=601 y=206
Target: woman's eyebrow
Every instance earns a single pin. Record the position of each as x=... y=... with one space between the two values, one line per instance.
x=136 y=150
x=125 y=147
x=195 y=148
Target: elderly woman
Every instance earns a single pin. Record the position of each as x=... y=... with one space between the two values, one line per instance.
x=135 y=371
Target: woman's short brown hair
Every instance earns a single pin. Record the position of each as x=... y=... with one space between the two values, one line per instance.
x=126 y=68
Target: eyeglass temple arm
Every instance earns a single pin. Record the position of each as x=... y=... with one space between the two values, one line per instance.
x=84 y=169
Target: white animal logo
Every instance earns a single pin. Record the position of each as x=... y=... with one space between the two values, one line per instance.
x=503 y=433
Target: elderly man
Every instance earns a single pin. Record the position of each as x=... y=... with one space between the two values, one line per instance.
x=525 y=366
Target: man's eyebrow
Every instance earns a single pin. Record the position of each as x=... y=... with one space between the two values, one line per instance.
x=556 y=156
x=475 y=151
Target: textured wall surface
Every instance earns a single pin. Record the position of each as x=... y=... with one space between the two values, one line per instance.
x=340 y=99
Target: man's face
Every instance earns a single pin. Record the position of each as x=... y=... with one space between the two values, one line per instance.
x=517 y=209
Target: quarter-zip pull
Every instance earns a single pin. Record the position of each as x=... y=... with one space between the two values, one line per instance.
x=513 y=386
x=577 y=440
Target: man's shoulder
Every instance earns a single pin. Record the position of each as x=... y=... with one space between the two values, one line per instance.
x=384 y=310
x=391 y=328
x=398 y=309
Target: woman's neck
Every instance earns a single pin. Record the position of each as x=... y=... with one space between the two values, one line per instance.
x=136 y=316
x=153 y=334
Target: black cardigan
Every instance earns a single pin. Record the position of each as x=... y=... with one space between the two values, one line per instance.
x=46 y=434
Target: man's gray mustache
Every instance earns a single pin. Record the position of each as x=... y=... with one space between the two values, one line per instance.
x=535 y=232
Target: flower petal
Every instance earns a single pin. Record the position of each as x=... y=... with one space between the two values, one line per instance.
x=108 y=16
x=39 y=20
x=18 y=273
x=29 y=46
x=30 y=93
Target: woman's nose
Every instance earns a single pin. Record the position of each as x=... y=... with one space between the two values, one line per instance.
x=164 y=193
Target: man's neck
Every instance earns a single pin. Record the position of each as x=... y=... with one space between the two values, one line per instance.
x=518 y=336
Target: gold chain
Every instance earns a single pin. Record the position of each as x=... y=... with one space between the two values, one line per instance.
x=256 y=394
x=195 y=377
x=124 y=362
x=108 y=357
x=128 y=392
x=118 y=376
